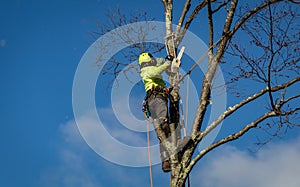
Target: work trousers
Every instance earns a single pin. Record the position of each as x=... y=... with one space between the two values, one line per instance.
x=158 y=108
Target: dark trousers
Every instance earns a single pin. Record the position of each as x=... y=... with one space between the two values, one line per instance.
x=158 y=108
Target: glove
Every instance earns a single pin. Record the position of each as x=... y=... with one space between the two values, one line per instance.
x=145 y=109
x=168 y=71
x=144 y=106
x=169 y=57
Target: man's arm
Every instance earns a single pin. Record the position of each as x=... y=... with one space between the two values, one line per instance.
x=160 y=69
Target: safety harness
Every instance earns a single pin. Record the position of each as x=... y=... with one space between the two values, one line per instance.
x=155 y=91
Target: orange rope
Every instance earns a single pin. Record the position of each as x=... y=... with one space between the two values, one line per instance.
x=149 y=153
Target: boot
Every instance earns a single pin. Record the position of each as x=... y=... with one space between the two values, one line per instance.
x=166 y=167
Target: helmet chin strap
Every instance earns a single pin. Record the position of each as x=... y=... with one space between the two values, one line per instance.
x=153 y=62
x=150 y=63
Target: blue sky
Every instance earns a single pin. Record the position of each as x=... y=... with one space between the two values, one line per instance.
x=41 y=44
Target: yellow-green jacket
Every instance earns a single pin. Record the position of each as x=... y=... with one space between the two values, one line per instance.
x=152 y=75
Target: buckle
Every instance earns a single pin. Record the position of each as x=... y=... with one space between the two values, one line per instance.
x=159 y=90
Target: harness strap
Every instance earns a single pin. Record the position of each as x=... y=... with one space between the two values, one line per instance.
x=157 y=90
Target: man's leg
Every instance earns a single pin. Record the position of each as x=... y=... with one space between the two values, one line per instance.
x=159 y=112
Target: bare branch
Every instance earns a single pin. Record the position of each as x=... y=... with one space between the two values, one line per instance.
x=271 y=35
x=234 y=108
x=191 y=18
x=249 y=126
x=186 y=8
x=250 y=14
x=213 y=65
x=224 y=3
x=210 y=24
x=229 y=17
x=231 y=137
x=294 y=1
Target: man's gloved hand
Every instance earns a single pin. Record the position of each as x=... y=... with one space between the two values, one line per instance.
x=168 y=71
x=169 y=57
x=145 y=109
x=144 y=106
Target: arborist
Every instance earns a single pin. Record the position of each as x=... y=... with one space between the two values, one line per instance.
x=156 y=100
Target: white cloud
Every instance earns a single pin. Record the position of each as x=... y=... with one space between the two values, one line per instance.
x=121 y=132
x=114 y=142
x=70 y=133
x=273 y=166
x=73 y=166
x=80 y=166
x=276 y=165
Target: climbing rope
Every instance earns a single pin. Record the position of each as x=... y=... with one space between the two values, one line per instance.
x=187 y=105
x=148 y=148
x=149 y=156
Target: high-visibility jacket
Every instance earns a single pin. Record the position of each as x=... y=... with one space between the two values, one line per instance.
x=152 y=75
